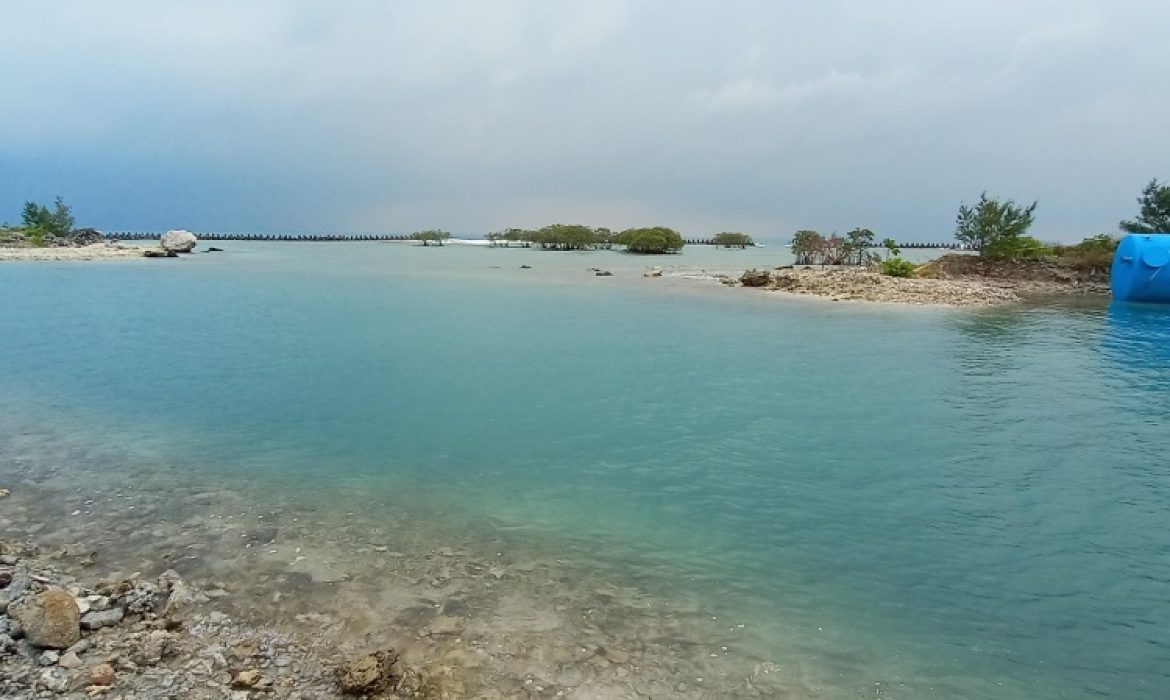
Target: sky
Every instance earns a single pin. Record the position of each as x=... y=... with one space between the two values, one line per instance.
x=706 y=116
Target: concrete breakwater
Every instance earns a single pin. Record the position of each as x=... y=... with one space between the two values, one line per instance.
x=295 y=237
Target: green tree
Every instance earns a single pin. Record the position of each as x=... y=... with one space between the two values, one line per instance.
x=996 y=229
x=1154 y=216
x=430 y=236
x=40 y=222
x=858 y=242
x=807 y=247
x=892 y=249
x=654 y=241
x=729 y=239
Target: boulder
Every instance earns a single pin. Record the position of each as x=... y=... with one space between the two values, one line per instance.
x=369 y=673
x=179 y=241
x=152 y=253
x=50 y=619
x=755 y=278
x=87 y=236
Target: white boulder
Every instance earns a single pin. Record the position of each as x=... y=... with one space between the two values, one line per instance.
x=179 y=241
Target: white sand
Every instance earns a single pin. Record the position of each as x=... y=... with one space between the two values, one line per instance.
x=97 y=251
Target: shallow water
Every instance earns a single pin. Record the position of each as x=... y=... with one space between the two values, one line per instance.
x=892 y=502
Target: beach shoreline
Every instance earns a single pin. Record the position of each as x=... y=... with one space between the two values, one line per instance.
x=97 y=251
x=485 y=617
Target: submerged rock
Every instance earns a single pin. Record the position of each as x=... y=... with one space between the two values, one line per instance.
x=369 y=673
x=179 y=241
x=151 y=253
x=50 y=620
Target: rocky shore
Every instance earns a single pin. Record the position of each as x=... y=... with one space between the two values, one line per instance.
x=144 y=637
x=96 y=251
x=950 y=281
x=90 y=244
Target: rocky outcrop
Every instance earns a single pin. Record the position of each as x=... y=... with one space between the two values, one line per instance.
x=50 y=620
x=854 y=284
x=179 y=241
x=86 y=236
x=755 y=278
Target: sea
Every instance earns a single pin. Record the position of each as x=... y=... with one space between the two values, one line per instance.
x=621 y=486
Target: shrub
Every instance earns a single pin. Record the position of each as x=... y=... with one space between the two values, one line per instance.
x=898 y=267
x=655 y=240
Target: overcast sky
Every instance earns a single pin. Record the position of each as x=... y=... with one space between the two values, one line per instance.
x=755 y=115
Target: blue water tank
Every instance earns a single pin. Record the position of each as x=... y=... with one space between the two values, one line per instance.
x=1141 y=268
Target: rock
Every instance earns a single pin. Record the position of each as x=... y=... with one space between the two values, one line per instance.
x=50 y=619
x=179 y=241
x=213 y=249
x=97 y=619
x=5 y=492
x=369 y=673
x=444 y=624
x=755 y=278
x=69 y=660
x=18 y=582
x=48 y=658
x=142 y=598
x=654 y=272
x=603 y=273
x=246 y=679
x=182 y=597
x=101 y=675
x=98 y=602
x=525 y=267
x=80 y=647
x=86 y=236
x=151 y=253
x=157 y=646
x=55 y=680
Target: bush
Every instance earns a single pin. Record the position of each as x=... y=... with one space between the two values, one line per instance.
x=41 y=223
x=897 y=267
x=1092 y=253
x=652 y=241
x=1015 y=248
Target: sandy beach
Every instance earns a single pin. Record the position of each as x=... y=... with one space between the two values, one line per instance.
x=97 y=251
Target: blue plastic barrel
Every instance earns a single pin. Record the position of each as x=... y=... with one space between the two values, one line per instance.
x=1141 y=268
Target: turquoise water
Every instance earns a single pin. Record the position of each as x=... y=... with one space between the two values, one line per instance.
x=957 y=503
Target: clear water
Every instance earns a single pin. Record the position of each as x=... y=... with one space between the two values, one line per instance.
x=915 y=502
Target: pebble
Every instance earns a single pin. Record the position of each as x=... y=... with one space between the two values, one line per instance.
x=69 y=660
x=247 y=679
x=96 y=620
x=101 y=675
x=80 y=647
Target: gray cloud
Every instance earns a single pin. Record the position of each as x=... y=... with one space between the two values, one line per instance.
x=763 y=116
